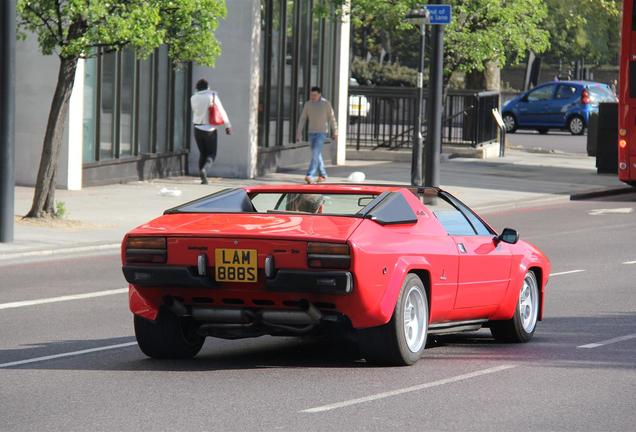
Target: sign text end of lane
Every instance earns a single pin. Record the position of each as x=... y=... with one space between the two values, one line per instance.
x=439 y=14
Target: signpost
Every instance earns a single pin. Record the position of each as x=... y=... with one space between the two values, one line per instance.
x=439 y=16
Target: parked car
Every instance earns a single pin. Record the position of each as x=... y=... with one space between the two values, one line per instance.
x=556 y=105
x=358 y=104
x=386 y=265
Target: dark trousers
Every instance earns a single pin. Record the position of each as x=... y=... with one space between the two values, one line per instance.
x=206 y=141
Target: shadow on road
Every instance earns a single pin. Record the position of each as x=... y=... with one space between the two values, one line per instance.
x=555 y=344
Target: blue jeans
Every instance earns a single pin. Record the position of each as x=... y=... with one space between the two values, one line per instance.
x=317 y=141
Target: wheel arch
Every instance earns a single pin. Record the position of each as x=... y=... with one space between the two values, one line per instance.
x=571 y=115
x=404 y=266
x=425 y=277
x=538 y=273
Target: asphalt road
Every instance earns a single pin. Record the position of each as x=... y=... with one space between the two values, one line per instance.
x=466 y=382
x=554 y=141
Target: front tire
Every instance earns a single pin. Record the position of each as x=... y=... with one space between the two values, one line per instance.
x=402 y=340
x=510 y=122
x=167 y=337
x=524 y=322
x=576 y=125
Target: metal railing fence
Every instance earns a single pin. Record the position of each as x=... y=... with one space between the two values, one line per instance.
x=386 y=117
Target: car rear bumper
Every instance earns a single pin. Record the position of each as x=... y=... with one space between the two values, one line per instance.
x=302 y=281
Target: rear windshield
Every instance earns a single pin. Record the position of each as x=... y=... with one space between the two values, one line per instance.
x=601 y=94
x=239 y=201
x=294 y=202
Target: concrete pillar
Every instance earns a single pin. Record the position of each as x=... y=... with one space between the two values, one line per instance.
x=236 y=79
x=343 y=85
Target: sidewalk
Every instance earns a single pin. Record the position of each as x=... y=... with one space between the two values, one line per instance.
x=98 y=217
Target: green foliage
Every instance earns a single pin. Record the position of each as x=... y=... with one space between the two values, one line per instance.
x=585 y=29
x=60 y=210
x=372 y=72
x=498 y=31
x=481 y=31
x=75 y=28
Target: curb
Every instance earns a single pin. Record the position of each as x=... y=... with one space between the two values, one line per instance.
x=597 y=193
x=60 y=251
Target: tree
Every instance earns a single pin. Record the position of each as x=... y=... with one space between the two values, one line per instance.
x=585 y=29
x=481 y=32
x=75 y=29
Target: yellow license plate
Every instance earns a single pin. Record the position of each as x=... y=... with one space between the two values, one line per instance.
x=235 y=265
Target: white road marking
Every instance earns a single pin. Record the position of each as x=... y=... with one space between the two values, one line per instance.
x=624 y=210
x=566 y=272
x=629 y=262
x=62 y=298
x=68 y=354
x=407 y=389
x=609 y=341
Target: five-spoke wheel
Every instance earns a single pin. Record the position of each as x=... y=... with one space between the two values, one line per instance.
x=524 y=322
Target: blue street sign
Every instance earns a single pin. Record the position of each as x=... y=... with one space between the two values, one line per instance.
x=439 y=14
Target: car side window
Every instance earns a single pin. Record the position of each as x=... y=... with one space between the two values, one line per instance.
x=542 y=93
x=453 y=220
x=479 y=226
x=565 y=92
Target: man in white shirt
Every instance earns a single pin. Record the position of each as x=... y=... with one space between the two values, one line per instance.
x=204 y=133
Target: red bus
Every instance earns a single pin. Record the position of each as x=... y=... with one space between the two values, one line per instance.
x=627 y=96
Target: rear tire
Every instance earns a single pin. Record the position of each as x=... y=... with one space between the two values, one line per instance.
x=576 y=125
x=167 y=337
x=402 y=340
x=524 y=322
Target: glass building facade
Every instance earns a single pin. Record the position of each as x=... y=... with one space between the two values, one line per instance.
x=133 y=108
x=298 y=51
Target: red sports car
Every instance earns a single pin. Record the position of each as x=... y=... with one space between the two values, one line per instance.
x=387 y=264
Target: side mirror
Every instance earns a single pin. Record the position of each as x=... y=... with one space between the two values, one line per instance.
x=508 y=235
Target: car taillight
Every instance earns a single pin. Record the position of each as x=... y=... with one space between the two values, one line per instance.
x=622 y=143
x=585 y=97
x=328 y=255
x=146 y=250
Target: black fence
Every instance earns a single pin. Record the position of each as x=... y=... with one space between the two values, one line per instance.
x=386 y=117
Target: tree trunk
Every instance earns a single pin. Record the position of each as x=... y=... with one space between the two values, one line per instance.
x=44 y=197
x=488 y=79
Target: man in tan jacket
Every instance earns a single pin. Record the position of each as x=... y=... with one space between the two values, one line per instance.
x=321 y=118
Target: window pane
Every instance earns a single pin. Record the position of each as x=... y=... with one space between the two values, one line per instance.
x=107 y=105
x=542 y=93
x=566 y=92
x=274 y=95
x=145 y=105
x=179 y=109
x=316 y=50
x=289 y=62
x=89 y=124
x=127 y=103
x=161 y=121
x=451 y=219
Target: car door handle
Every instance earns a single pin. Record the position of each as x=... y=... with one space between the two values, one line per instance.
x=461 y=248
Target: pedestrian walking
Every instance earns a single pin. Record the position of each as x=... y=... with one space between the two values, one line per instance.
x=205 y=134
x=319 y=114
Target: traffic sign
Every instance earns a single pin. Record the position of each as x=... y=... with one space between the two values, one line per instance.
x=439 y=14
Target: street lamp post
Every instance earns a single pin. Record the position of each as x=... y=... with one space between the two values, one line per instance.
x=418 y=17
x=7 y=104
